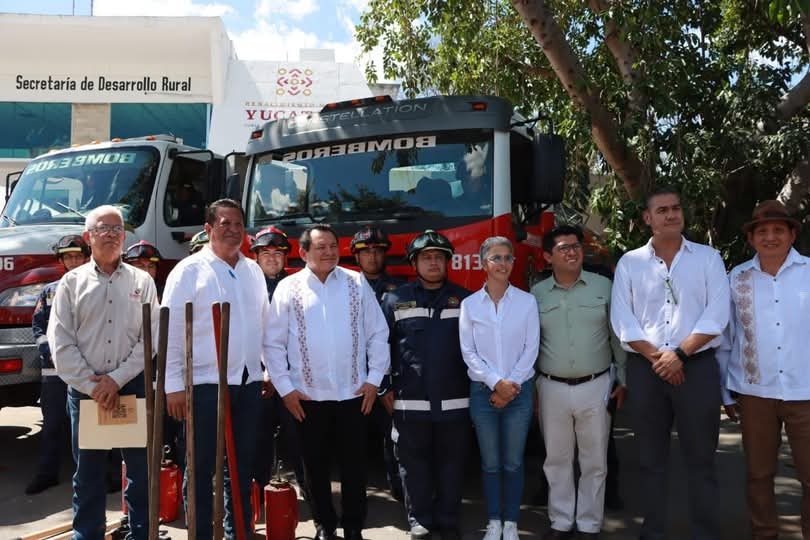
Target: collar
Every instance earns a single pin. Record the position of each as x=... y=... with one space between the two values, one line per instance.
x=551 y=282
x=793 y=258
x=485 y=295
x=309 y=274
x=685 y=245
x=208 y=254
x=98 y=269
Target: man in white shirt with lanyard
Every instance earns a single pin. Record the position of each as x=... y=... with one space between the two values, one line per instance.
x=219 y=272
x=764 y=360
x=670 y=303
x=326 y=322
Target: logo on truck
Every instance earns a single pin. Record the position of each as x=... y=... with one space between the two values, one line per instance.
x=99 y=158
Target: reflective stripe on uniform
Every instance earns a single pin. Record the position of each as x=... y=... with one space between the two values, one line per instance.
x=453 y=404
x=411 y=313
x=42 y=339
x=422 y=405
x=48 y=372
x=450 y=313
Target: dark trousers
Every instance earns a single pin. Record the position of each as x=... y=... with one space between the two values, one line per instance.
x=694 y=408
x=383 y=422
x=274 y=417
x=89 y=480
x=339 y=429
x=244 y=416
x=431 y=458
x=762 y=421
x=55 y=426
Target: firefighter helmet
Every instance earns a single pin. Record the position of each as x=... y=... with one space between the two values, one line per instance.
x=272 y=237
x=369 y=237
x=71 y=242
x=428 y=240
x=197 y=242
x=142 y=250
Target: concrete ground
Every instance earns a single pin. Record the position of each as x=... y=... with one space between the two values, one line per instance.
x=21 y=514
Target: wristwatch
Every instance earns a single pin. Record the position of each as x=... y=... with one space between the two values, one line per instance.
x=681 y=354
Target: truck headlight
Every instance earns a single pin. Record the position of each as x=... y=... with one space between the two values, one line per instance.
x=25 y=296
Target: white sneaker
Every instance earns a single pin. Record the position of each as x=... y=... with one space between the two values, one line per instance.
x=510 y=530
x=493 y=530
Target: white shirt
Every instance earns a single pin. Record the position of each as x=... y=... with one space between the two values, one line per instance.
x=326 y=331
x=765 y=349
x=500 y=344
x=663 y=306
x=203 y=279
x=96 y=324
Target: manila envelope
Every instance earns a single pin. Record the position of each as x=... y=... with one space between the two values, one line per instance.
x=124 y=427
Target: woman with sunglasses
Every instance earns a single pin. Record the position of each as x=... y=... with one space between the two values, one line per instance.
x=499 y=330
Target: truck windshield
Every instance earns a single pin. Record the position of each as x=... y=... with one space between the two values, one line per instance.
x=446 y=174
x=62 y=188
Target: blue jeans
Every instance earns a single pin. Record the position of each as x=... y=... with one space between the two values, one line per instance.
x=502 y=439
x=245 y=407
x=89 y=481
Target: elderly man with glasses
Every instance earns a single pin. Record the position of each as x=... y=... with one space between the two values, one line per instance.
x=577 y=347
x=95 y=335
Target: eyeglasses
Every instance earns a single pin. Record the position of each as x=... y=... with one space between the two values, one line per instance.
x=565 y=248
x=498 y=259
x=102 y=229
x=670 y=292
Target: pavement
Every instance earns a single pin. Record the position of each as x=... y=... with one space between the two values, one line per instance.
x=21 y=514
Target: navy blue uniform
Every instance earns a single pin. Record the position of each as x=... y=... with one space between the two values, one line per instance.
x=53 y=397
x=431 y=409
x=379 y=416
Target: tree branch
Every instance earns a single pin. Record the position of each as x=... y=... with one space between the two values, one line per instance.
x=571 y=74
x=797 y=97
x=623 y=54
x=797 y=187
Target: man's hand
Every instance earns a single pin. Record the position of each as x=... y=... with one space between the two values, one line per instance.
x=369 y=393
x=733 y=412
x=293 y=403
x=106 y=391
x=268 y=389
x=507 y=390
x=497 y=401
x=387 y=401
x=176 y=405
x=668 y=366
x=619 y=394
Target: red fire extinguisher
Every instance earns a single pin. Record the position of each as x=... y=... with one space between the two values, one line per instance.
x=280 y=504
x=171 y=484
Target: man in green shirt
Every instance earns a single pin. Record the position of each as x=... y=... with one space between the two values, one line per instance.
x=577 y=347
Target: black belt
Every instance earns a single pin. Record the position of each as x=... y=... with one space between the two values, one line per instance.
x=576 y=380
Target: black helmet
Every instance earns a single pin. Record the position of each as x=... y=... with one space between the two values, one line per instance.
x=369 y=237
x=197 y=242
x=271 y=236
x=71 y=242
x=142 y=250
x=428 y=240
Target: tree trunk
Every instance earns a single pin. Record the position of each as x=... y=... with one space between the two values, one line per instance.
x=571 y=74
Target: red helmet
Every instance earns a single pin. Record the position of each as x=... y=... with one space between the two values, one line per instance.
x=71 y=242
x=142 y=250
x=272 y=237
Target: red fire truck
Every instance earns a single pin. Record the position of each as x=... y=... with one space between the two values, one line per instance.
x=468 y=167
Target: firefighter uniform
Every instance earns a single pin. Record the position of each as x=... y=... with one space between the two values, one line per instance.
x=53 y=397
x=431 y=408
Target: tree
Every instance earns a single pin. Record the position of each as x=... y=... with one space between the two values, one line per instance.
x=707 y=96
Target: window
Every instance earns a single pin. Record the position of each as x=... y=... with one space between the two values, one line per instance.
x=31 y=129
x=184 y=120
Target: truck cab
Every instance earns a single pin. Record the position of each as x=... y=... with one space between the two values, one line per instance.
x=161 y=187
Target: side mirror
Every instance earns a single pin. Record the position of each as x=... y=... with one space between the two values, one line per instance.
x=548 y=179
x=233 y=187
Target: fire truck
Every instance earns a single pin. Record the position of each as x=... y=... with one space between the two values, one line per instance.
x=466 y=166
x=159 y=184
